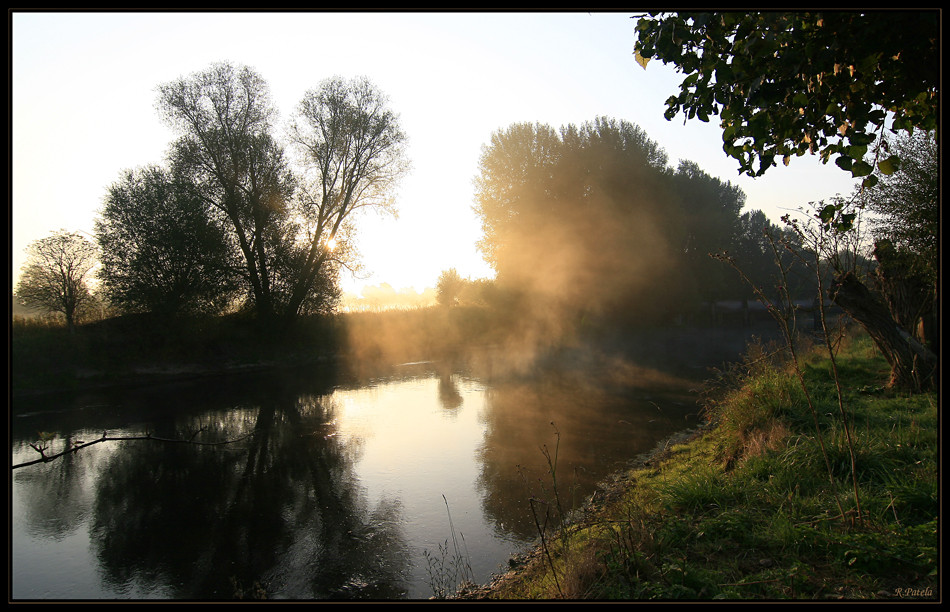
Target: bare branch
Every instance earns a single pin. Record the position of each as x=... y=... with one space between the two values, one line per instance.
x=106 y=438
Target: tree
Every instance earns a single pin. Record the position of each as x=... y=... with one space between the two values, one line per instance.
x=513 y=169
x=906 y=226
x=785 y=84
x=55 y=275
x=449 y=288
x=161 y=251
x=753 y=252
x=590 y=219
x=227 y=151
x=353 y=153
x=906 y=204
x=290 y=223
x=708 y=222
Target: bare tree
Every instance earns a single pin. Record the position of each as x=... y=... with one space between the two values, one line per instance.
x=54 y=277
x=226 y=149
x=353 y=154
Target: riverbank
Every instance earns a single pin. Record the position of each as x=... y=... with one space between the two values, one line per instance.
x=760 y=504
x=137 y=350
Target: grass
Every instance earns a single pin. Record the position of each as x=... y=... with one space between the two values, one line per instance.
x=748 y=509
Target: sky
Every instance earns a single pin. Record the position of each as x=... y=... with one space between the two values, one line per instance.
x=83 y=95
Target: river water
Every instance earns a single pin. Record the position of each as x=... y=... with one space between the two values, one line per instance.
x=384 y=484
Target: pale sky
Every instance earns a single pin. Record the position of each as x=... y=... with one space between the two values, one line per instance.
x=84 y=88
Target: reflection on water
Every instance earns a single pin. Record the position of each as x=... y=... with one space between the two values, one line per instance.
x=339 y=492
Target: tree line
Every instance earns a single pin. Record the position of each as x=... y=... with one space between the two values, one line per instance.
x=236 y=216
x=591 y=220
x=577 y=221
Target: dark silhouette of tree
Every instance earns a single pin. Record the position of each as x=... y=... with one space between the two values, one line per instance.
x=290 y=223
x=227 y=151
x=753 y=251
x=161 y=251
x=788 y=83
x=55 y=276
x=708 y=223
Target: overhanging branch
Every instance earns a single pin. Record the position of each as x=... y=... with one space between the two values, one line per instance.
x=106 y=438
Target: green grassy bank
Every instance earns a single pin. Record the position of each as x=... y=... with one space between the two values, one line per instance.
x=761 y=503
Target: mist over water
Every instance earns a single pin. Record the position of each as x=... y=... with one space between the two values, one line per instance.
x=352 y=474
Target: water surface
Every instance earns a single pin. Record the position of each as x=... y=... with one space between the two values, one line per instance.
x=340 y=486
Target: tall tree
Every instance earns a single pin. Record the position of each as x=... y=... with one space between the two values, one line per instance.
x=227 y=150
x=514 y=168
x=788 y=83
x=353 y=154
x=56 y=274
x=161 y=252
x=591 y=219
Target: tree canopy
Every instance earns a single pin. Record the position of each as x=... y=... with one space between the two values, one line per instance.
x=352 y=155
x=906 y=204
x=161 y=251
x=788 y=83
x=288 y=216
x=591 y=219
x=226 y=150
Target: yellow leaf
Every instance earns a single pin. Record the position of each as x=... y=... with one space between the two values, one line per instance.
x=640 y=59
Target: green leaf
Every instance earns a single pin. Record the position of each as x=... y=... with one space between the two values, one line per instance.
x=827 y=213
x=889 y=165
x=869 y=182
x=845 y=222
x=861 y=168
x=858 y=151
x=844 y=162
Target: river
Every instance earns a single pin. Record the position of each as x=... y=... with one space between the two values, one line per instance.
x=383 y=484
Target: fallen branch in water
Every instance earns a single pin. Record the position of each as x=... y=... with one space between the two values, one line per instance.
x=105 y=438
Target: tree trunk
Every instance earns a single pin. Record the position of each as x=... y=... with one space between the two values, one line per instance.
x=913 y=366
x=908 y=292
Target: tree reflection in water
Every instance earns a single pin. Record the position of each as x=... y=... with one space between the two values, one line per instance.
x=281 y=512
x=338 y=494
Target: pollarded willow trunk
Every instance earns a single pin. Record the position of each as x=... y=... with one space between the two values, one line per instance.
x=913 y=366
